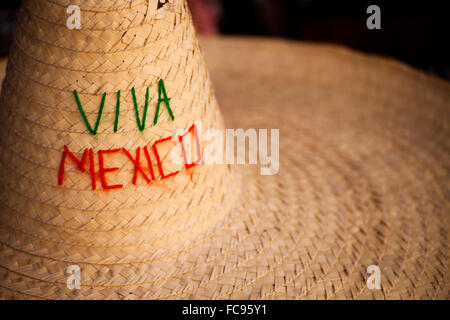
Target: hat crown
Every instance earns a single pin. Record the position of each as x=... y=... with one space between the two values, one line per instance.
x=91 y=108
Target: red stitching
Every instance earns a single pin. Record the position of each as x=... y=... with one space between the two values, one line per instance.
x=199 y=154
x=163 y=176
x=137 y=165
x=149 y=161
x=62 y=166
x=103 y=170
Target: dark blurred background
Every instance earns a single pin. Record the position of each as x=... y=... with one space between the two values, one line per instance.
x=415 y=32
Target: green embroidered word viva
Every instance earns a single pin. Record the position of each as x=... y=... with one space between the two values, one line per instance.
x=162 y=98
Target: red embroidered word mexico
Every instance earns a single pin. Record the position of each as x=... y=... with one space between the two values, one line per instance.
x=138 y=168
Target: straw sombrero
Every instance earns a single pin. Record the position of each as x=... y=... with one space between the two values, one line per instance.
x=362 y=180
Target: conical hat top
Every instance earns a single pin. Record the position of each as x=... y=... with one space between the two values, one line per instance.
x=92 y=116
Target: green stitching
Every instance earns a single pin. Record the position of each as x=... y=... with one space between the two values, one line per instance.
x=166 y=100
x=141 y=126
x=162 y=97
x=83 y=115
x=116 y=122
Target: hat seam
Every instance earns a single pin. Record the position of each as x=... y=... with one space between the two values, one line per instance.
x=87 y=8
x=152 y=62
x=22 y=73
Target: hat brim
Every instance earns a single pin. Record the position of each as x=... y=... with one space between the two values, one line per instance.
x=363 y=180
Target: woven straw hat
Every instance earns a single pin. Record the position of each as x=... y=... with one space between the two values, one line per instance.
x=363 y=178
